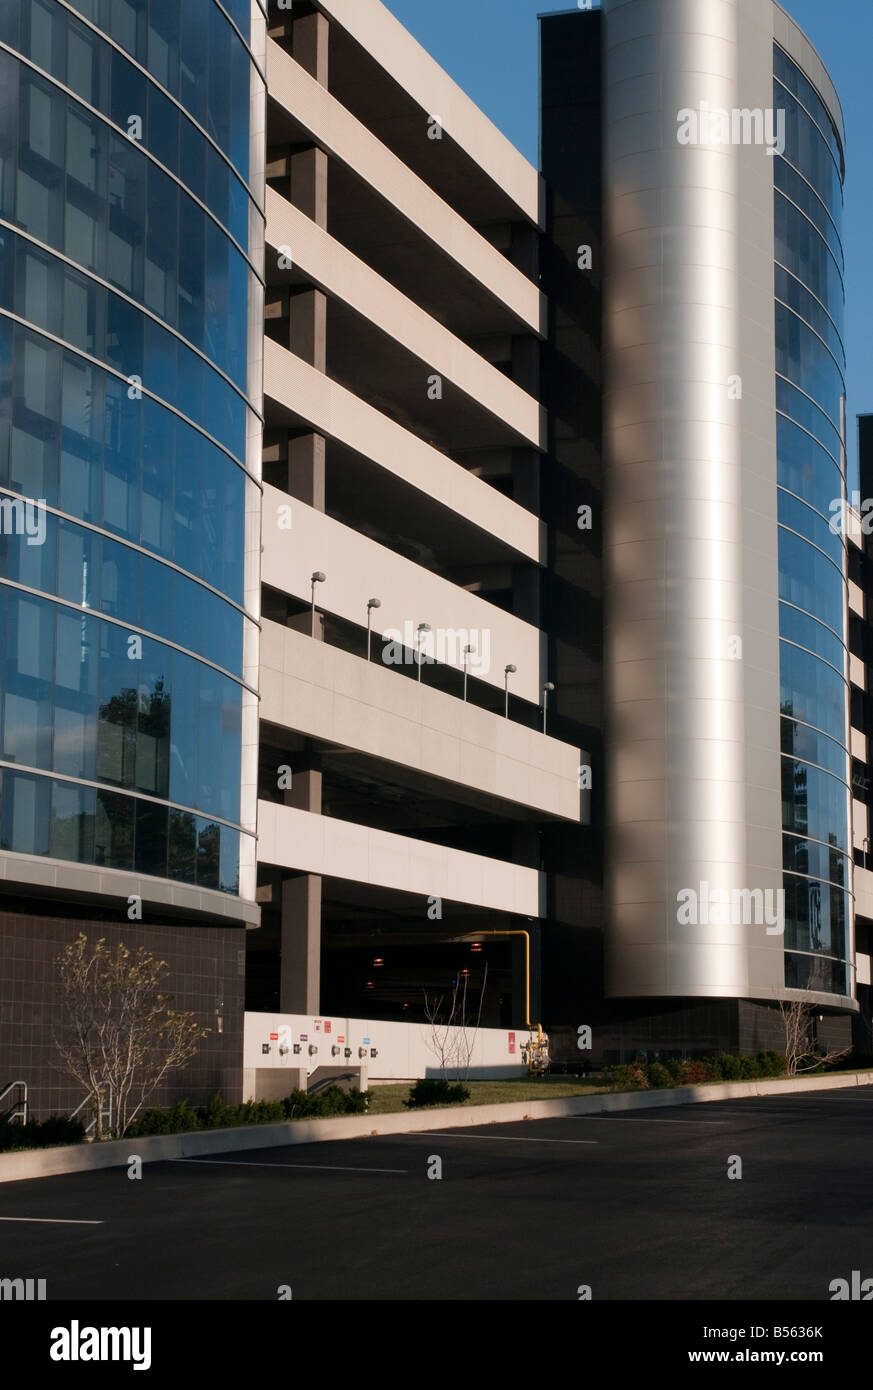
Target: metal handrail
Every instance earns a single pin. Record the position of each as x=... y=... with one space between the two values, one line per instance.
x=22 y=1103
x=74 y=1113
x=89 y=1100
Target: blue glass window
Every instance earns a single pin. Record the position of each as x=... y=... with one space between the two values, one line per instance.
x=803 y=358
x=816 y=916
x=807 y=469
x=811 y=746
x=95 y=195
x=806 y=631
x=812 y=858
x=812 y=691
x=809 y=523
x=815 y=804
x=817 y=973
x=789 y=182
x=808 y=150
x=790 y=75
x=801 y=249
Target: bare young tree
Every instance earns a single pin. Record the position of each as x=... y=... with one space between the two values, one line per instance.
x=453 y=1033
x=802 y=1051
x=467 y=1030
x=120 y=1035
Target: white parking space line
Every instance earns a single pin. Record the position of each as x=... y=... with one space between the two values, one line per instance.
x=655 y=1120
x=51 y=1220
x=491 y=1138
x=238 y=1163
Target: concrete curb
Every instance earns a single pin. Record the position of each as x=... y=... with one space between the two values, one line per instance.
x=77 y=1158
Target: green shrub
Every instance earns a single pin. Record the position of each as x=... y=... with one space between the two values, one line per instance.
x=632 y=1077
x=178 y=1118
x=435 y=1091
x=694 y=1072
x=57 y=1129
x=659 y=1075
x=750 y=1068
x=676 y=1068
x=357 y=1102
x=713 y=1068
x=772 y=1063
x=731 y=1067
x=333 y=1100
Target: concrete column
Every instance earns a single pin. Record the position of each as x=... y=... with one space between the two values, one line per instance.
x=308 y=171
x=306 y=469
x=304 y=794
x=307 y=336
x=309 y=44
x=300 y=973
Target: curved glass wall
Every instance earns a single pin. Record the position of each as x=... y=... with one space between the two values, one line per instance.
x=125 y=289
x=810 y=362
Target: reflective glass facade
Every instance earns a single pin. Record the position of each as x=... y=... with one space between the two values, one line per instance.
x=810 y=362
x=126 y=225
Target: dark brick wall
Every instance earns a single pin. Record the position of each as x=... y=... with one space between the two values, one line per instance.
x=206 y=966
x=760 y=1027
x=686 y=1028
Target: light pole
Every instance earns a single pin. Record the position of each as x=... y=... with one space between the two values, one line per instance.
x=507 y=672
x=547 y=688
x=468 y=651
x=422 y=628
x=371 y=604
x=317 y=578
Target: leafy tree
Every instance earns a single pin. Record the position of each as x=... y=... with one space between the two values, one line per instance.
x=120 y=1035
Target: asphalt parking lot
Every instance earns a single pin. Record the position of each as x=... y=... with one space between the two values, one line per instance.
x=636 y=1206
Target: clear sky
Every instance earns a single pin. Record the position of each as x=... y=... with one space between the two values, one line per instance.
x=490 y=48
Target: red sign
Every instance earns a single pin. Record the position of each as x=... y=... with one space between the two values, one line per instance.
x=274 y=1037
x=318 y=1025
x=340 y=1038
x=327 y=1025
x=511 y=1042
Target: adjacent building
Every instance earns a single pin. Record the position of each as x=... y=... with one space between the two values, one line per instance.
x=411 y=777
x=131 y=260
x=724 y=587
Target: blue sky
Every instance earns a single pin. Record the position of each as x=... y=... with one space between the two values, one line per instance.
x=490 y=48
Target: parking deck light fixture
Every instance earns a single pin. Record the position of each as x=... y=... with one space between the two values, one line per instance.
x=317 y=578
x=422 y=628
x=547 y=689
x=371 y=604
x=468 y=651
x=507 y=672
